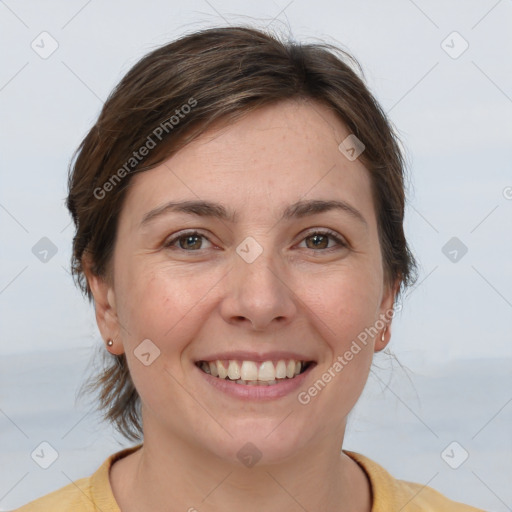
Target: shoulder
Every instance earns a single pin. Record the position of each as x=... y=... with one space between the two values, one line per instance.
x=75 y=496
x=421 y=498
x=90 y=494
x=392 y=494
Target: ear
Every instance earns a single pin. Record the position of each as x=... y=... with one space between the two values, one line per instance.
x=386 y=313
x=105 y=308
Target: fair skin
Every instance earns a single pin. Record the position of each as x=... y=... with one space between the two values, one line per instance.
x=302 y=294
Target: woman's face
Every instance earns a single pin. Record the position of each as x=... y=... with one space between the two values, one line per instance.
x=265 y=282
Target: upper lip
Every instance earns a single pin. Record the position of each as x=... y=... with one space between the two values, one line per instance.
x=259 y=357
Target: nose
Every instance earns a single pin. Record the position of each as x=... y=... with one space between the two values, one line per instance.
x=258 y=294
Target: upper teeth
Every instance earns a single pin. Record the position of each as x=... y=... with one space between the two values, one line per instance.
x=252 y=371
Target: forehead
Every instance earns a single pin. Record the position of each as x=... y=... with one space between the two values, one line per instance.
x=270 y=158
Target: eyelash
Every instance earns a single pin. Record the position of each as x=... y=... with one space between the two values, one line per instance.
x=324 y=232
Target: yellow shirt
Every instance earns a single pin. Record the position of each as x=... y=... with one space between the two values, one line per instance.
x=94 y=494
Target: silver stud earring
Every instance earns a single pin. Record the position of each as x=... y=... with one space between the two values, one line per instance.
x=110 y=343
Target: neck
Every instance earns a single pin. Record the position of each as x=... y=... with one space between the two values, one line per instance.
x=168 y=471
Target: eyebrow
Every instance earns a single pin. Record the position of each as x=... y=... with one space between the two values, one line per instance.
x=296 y=210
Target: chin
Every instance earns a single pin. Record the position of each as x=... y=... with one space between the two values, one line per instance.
x=257 y=443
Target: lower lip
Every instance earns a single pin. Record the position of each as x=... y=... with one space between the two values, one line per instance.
x=246 y=392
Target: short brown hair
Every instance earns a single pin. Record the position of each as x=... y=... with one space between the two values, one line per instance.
x=220 y=74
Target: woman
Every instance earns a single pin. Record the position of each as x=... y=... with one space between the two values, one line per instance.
x=239 y=226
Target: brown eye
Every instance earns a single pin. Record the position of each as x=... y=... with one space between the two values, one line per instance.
x=189 y=242
x=320 y=240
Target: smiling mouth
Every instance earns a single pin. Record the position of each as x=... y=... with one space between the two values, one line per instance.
x=251 y=373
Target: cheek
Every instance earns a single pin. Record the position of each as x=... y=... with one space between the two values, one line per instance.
x=346 y=314
x=162 y=305
x=346 y=304
x=155 y=301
